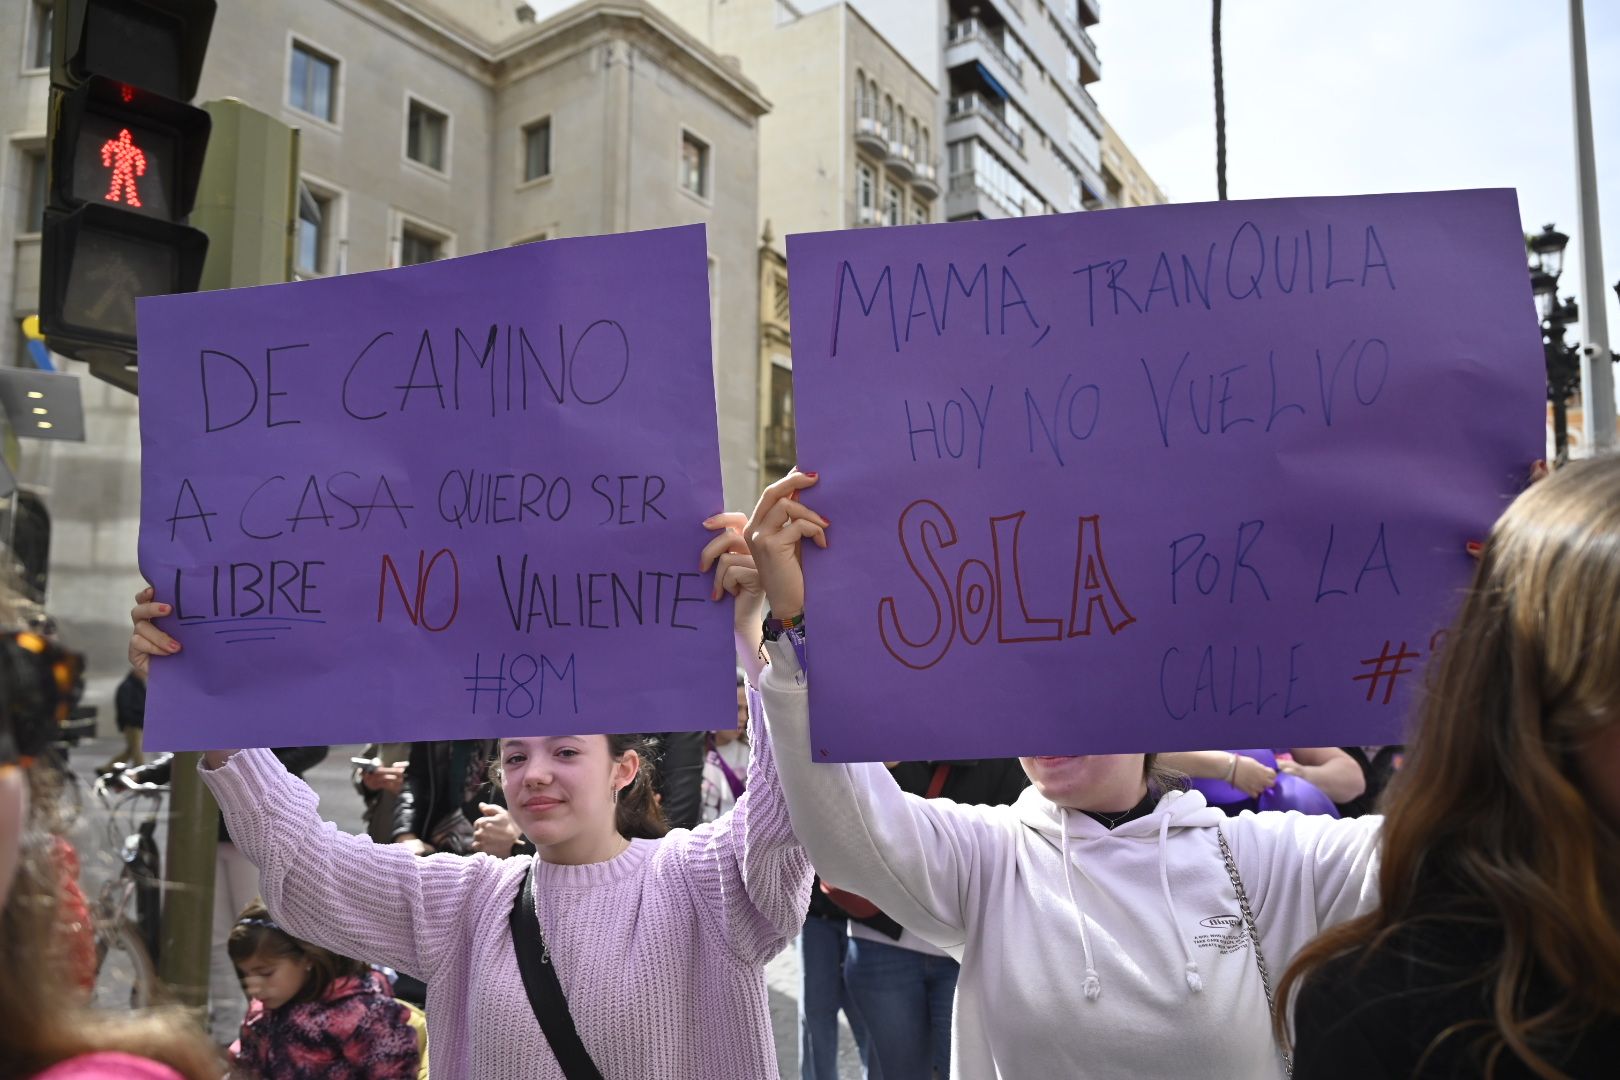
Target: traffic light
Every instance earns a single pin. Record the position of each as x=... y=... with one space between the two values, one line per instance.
x=125 y=153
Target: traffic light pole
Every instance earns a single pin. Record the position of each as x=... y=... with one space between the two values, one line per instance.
x=246 y=202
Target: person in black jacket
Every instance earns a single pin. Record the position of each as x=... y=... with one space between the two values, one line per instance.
x=1495 y=948
x=679 y=770
x=450 y=803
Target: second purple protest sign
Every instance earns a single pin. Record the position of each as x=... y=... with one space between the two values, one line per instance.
x=458 y=500
x=1179 y=477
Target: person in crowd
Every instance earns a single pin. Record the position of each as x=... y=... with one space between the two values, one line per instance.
x=314 y=1014
x=1311 y=780
x=679 y=761
x=50 y=1032
x=725 y=762
x=903 y=986
x=379 y=782
x=1100 y=921
x=823 y=944
x=1493 y=948
x=658 y=941
x=450 y=804
x=236 y=884
x=129 y=708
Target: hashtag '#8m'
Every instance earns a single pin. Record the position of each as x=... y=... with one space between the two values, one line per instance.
x=516 y=687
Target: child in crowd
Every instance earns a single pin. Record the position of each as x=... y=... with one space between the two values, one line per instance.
x=315 y=1014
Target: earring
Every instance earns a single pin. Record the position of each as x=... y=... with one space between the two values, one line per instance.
x=615 y=796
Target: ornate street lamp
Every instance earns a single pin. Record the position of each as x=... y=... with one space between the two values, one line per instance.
x=1563 y=360
x=1548 y=247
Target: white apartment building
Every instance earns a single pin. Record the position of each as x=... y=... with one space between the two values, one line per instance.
x=1022 y=133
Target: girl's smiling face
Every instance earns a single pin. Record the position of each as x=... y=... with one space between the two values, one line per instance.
x=560 y=789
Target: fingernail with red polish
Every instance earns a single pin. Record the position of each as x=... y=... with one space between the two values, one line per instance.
x=1474 y=547
x=174 y=646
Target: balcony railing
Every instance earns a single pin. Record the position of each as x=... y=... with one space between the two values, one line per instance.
x=964 y=106
x=966 y=30
x=869 y=131
x=926 y=179
x=902 y=160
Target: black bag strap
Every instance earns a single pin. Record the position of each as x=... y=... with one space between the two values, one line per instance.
x=545 y=992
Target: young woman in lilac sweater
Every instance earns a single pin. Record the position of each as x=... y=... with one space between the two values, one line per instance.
x=659 y=943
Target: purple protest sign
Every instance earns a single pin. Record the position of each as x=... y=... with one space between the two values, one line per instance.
x=1178 y=477
x=457 y=500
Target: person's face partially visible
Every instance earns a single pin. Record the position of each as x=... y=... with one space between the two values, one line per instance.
x=273 y=980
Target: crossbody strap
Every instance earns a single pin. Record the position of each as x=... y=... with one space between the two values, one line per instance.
x=1254 y=936
x=545 y=992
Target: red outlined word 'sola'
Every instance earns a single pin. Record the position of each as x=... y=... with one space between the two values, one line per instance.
x=977 y=600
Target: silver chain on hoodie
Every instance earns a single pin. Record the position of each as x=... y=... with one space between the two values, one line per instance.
x=1254 y=935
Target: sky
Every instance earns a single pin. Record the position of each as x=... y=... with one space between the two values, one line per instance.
x=1331 y=98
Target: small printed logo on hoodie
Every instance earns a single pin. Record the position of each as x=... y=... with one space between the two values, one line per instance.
x=1225 y=934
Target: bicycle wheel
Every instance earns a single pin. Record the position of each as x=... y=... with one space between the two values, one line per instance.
x=125 y=975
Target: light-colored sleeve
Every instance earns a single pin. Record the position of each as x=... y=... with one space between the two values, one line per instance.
x=749 y=873
x=912 y=857
x=1304 y=873
x=375 y=902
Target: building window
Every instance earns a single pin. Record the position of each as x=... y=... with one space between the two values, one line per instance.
x=891 y=205
x=924 y=153
x=35 y=181
x=694 y=165
x=39 y=34
x=537 y=149
x=781 y=302
x=888 y=115
x=992 y=176
x=860 y=96
x=919 y=213
x=897 y=134
x=419 y=246
x=426 y=131
x=312 y=85
x=865 y=187
x=315 y=222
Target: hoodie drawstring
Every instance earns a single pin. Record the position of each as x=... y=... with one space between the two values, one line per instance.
x=1194 y=979
x=1092 y=985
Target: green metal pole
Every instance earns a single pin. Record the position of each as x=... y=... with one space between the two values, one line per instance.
x=188 y=901
x=246 y=203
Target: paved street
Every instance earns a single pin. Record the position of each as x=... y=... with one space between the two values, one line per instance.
x=341 y=805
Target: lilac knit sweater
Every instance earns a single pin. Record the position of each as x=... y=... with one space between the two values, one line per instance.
x=661 y=951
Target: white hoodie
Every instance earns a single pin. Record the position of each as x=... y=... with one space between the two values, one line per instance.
x=1085 y=952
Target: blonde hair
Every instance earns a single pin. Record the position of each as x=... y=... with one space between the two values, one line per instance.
x=1489 y=820
x=46 y=1019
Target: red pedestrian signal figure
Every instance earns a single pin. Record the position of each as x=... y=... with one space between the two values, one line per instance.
x=127 y=161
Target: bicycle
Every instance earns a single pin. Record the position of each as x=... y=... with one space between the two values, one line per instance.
x=127 y=913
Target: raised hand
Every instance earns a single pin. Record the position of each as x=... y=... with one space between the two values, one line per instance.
x=778 y=525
